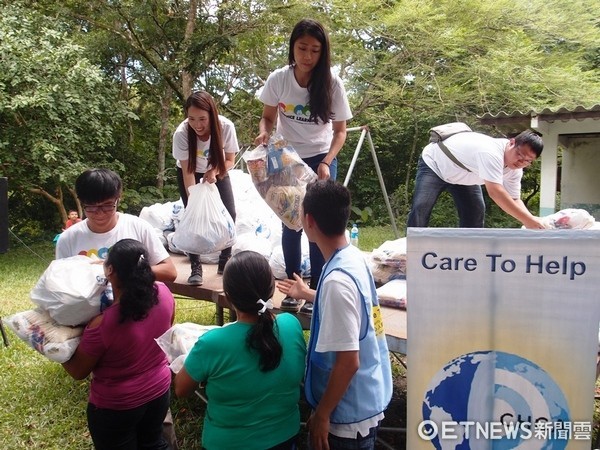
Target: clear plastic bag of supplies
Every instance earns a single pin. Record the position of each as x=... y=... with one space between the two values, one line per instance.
x=179 y=340
x=280 y=176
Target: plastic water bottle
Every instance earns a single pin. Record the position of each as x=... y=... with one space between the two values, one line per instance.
x=354 y=235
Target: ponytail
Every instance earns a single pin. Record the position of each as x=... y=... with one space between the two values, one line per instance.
x=247 y=280
x=263 y=337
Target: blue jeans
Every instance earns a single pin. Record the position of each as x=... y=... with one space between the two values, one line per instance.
x=130 y=429
x=428 y=187
x=359 y=443
x=290 y=239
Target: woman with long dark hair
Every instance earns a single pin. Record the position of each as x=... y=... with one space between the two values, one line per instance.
x=129 y=391
x=308 y=103
x=252 y=368
x=205 y=145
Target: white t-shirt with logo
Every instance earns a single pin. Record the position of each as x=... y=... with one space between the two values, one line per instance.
x=307 y=137
x=180 y=144
x=78 y=239
x=481 y=154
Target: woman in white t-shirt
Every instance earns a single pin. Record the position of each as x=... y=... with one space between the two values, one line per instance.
x=205 y=145
x=310 y=107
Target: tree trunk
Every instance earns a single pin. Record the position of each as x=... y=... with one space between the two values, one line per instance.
x=187 y=82
x=165 y=109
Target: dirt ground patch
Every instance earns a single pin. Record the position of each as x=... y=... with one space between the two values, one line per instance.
x=390 y=435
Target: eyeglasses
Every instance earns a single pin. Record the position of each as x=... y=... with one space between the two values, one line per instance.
x=522 y=158
x=97 y=208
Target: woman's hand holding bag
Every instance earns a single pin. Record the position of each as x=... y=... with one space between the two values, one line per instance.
x=206 y=226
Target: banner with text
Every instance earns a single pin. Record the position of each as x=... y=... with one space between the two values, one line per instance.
x=502 y=338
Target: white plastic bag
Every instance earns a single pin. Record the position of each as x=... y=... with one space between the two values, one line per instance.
x=391 y=253
x=393 y=294
x=206 y=226
x=71 y=290
x=179 y=340
x=569 y=219
x=280 y=176
x=255 y=243
x=158 y=215
x=277 y=262
x=43 y=334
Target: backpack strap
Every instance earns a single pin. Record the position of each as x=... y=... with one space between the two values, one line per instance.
x=449 y=154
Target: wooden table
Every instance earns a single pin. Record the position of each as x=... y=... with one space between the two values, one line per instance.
x=394 y=320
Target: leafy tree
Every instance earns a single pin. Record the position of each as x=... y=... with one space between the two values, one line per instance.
x=407 y=66
x=429 y=62
x=57 y=111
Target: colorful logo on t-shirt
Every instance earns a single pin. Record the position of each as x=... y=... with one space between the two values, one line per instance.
x=300 y=113
x=107 y=295
x=101 y=253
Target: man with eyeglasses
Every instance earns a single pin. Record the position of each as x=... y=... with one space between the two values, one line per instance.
x=99 y=191
x=496 y=163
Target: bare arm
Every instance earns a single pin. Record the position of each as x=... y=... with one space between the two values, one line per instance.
x=229 y=161
x=165 y=270
x=189 y=179
x=81 y=364
x=211 y=175
x=345 y=366
x=514 y=207
x=266 y=124
x=339 y=138
x=184 y=384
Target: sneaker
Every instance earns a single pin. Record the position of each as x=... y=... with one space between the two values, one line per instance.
x=195 y=278
x=307 y=309
x=289 y=304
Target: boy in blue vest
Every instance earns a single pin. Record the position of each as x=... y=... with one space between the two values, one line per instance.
x=348 y=378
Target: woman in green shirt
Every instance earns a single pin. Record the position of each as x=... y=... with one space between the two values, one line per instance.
x=252 y=368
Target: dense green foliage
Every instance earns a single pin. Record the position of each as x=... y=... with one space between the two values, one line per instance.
x=102 y=83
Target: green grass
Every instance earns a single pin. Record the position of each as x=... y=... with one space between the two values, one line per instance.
x=369 y=238
x=42 y=406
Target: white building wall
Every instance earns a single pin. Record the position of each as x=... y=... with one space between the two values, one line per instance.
x=576 y=173
x=580 y=180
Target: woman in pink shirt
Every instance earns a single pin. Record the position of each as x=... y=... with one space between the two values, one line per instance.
x=129 y=391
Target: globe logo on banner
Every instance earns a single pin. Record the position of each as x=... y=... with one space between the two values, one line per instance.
x=494 y=388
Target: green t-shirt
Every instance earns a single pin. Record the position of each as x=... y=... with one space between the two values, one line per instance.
x=248 y=409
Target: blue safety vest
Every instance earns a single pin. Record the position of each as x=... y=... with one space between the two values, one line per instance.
x=370 y=390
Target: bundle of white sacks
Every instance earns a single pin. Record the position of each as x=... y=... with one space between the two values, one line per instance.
x=257 y=226
x=67 y=296
x=259 y=229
